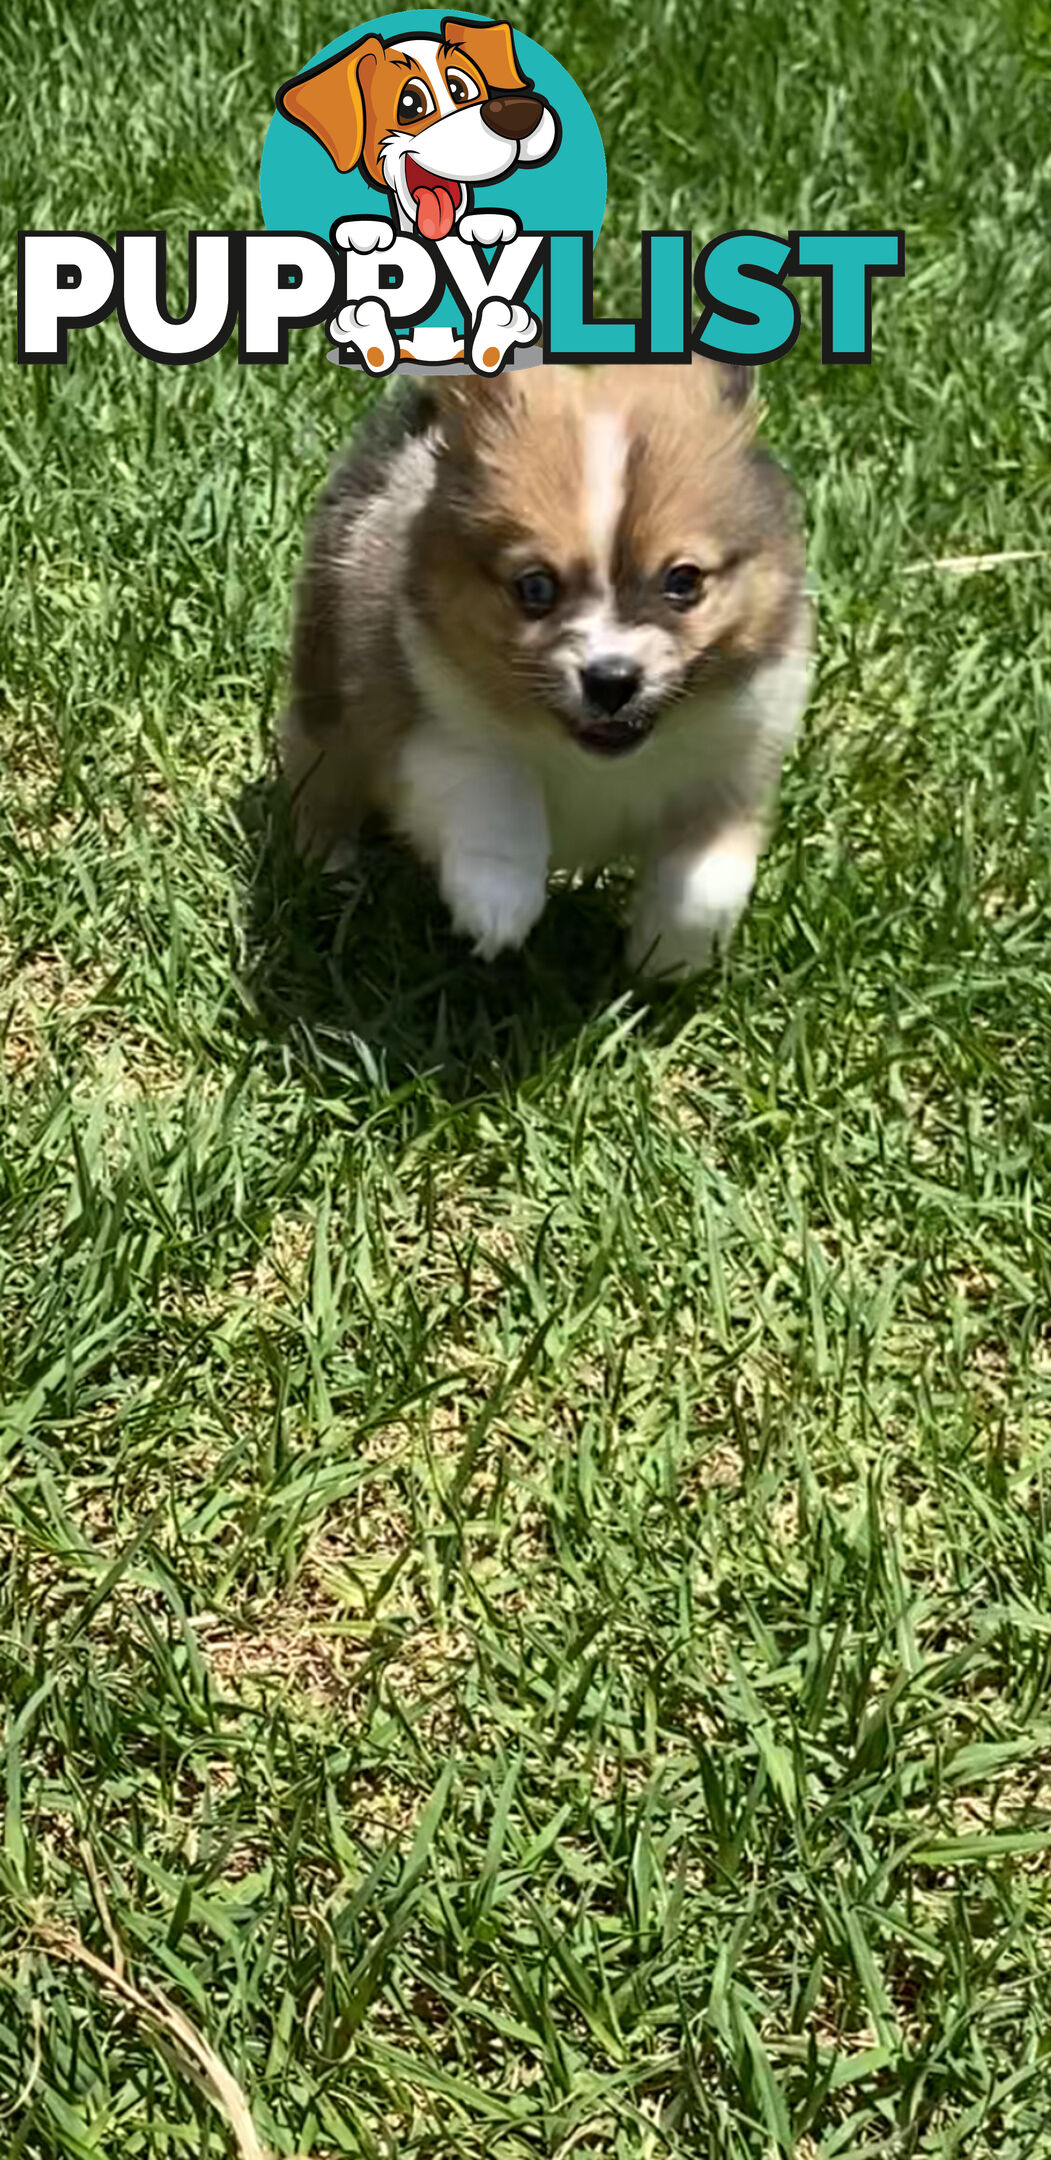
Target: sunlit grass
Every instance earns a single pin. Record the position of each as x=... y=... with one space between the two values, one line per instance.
x=526 y=1562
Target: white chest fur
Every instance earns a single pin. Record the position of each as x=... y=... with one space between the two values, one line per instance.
x=594 y=808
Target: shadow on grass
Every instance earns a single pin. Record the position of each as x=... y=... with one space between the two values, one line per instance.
x=362 y=975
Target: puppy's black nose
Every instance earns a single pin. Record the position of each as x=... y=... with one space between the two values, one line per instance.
x=608 y=684
x=515 y=115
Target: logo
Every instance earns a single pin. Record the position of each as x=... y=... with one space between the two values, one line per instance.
x=432 y=189
x=437 y=154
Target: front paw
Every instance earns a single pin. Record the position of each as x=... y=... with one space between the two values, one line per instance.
x=501 y=327
x=364 y=234
x=489 y=228
x=364 y=326
x=493 y=902
x=688 y=910
x=659 y=950
x=341 y=857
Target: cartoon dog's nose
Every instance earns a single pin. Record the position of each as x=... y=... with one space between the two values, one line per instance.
x=514 y=116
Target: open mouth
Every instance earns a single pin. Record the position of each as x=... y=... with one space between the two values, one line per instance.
x=610 y=738
x=437 y=201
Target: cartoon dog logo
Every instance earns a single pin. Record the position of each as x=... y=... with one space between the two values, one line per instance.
x=426 y=119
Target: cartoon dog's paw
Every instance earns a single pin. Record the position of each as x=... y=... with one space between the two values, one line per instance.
x=363 y=234
x=501 y=327
x=364 y=325
x=489 y=228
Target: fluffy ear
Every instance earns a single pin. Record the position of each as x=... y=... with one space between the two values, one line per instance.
x=330 y=102
x=466 y=407
x=492 y=48
x=737 y=383
x=722 y=383
x=456 y=394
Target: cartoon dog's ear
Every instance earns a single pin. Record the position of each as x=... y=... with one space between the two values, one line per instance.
x=492 y=48
x=330 y=102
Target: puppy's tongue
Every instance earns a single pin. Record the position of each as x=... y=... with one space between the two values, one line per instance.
x=434 y=213
x=436 y=200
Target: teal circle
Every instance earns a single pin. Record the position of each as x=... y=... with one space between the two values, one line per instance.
x=300 y=189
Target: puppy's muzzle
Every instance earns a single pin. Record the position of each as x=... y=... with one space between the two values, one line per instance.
x=611 y=738
x=514 y=116
x=609 y=684
x=610 y=723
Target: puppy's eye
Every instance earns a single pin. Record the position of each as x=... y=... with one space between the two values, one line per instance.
x=460 y=90
x=413 y=104
x=683 y=584
x=536 y=591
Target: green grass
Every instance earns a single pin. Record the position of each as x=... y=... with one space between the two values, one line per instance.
x=526 y=1552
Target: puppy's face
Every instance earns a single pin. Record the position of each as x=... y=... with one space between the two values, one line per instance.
x=602 y=543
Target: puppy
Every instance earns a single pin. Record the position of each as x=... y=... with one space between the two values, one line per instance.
x=549 y=620
x=426 y=119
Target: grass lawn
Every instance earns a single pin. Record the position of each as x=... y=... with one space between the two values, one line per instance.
x=525 y=1513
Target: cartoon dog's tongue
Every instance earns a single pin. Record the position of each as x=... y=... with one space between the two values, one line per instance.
x=436 y=200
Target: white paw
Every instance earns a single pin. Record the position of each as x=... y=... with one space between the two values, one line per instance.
x=493 y=902
x=364 y=234
x=688 y=908
x=489 y=228
x=655 y=948
x=499 y=328
x=365 y=326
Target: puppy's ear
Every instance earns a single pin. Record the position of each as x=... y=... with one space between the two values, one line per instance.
x=737 y=382
x=471 y=393
x=492 y=48
x=466 y=407
x=722 y=385
x=330 y=102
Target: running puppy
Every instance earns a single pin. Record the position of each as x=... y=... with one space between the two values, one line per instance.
x=548 y=620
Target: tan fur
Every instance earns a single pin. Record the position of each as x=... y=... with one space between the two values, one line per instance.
x=695 y=492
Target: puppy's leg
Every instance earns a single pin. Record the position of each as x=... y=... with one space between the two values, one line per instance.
x=325 y=815
x=314 y=744
x=691 y=897
x=477 y=816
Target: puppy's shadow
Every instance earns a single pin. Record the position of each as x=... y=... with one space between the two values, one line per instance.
x=362 y=975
